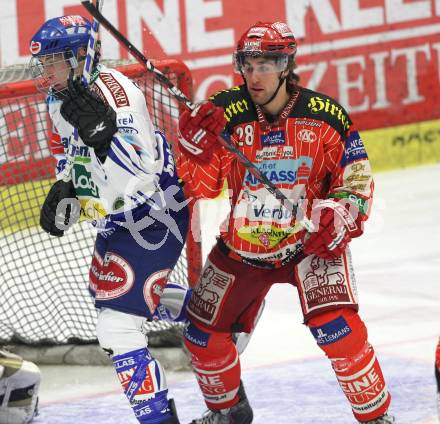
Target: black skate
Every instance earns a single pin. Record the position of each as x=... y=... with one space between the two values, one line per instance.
x=173 y=419
x=384 y=419
x=238 y=414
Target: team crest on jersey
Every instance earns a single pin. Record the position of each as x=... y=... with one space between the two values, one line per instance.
x=306 y=136
x=153 y=288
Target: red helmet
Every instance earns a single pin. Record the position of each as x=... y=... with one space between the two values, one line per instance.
x=266 y=39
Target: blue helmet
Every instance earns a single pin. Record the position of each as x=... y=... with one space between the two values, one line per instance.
x=65 y=34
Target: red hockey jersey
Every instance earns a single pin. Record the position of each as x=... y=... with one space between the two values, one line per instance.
x=313 y=152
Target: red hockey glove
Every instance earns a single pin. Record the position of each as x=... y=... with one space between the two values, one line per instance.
x=336 y=226
x=199 y=130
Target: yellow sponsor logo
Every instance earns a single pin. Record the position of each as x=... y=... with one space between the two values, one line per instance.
x=358 y=177
x=403 y=146
x=229 y=90
x=317 y=104
x=266 y=236
x=235 y=108
x=92 y=209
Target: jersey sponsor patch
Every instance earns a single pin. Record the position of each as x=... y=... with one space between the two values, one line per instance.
x=308 y=123
x=99 y=93
x=111 y=277
x=354 y=149
x=258 y=205
x=92 y=209
x=326 y=106
x=116 y=90
x=266 y=236
x=153 y=288
x=83 y=182
x=274 y=138
x=196 y=336
x=282 y=171
x=274 y=152
x=209 y=294
x=56 y=145
x=325 y=283
x=331 y=332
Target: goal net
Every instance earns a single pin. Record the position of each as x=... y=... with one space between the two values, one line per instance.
x=43 y=279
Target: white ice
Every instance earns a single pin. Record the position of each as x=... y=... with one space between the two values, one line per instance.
x=287 y=377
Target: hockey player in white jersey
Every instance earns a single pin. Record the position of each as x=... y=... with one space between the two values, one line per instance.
x=19 y=383
x=125 y=182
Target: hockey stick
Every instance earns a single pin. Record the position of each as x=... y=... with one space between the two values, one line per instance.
x=85 y=78
x=180 y=97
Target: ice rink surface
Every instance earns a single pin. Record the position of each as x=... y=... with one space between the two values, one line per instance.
x=287 y=377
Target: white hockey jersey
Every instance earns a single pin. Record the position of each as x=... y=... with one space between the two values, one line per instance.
x=139 y=161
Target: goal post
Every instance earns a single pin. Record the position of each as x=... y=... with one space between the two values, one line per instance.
x=44 y=279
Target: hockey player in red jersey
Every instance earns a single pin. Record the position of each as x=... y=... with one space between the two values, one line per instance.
x=305 y=143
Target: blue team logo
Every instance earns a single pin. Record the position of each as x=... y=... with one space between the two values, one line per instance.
x=354 y=149
x=274 y=138
x=331 y=332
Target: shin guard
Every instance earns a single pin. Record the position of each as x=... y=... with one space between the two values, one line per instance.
x=362 y=382
x=342 y=336
x=143 y=380
x=217 y=369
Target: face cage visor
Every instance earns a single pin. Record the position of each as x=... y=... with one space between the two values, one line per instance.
x=50 y=71
x=268 y=63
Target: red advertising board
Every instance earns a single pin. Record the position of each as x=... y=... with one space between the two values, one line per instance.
x=379 y=58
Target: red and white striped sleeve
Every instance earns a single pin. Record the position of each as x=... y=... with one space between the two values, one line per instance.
x=204 y=180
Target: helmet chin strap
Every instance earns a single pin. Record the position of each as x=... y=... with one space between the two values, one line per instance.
x=282 y=79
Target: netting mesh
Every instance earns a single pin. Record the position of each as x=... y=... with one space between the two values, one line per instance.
x=44 y=279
